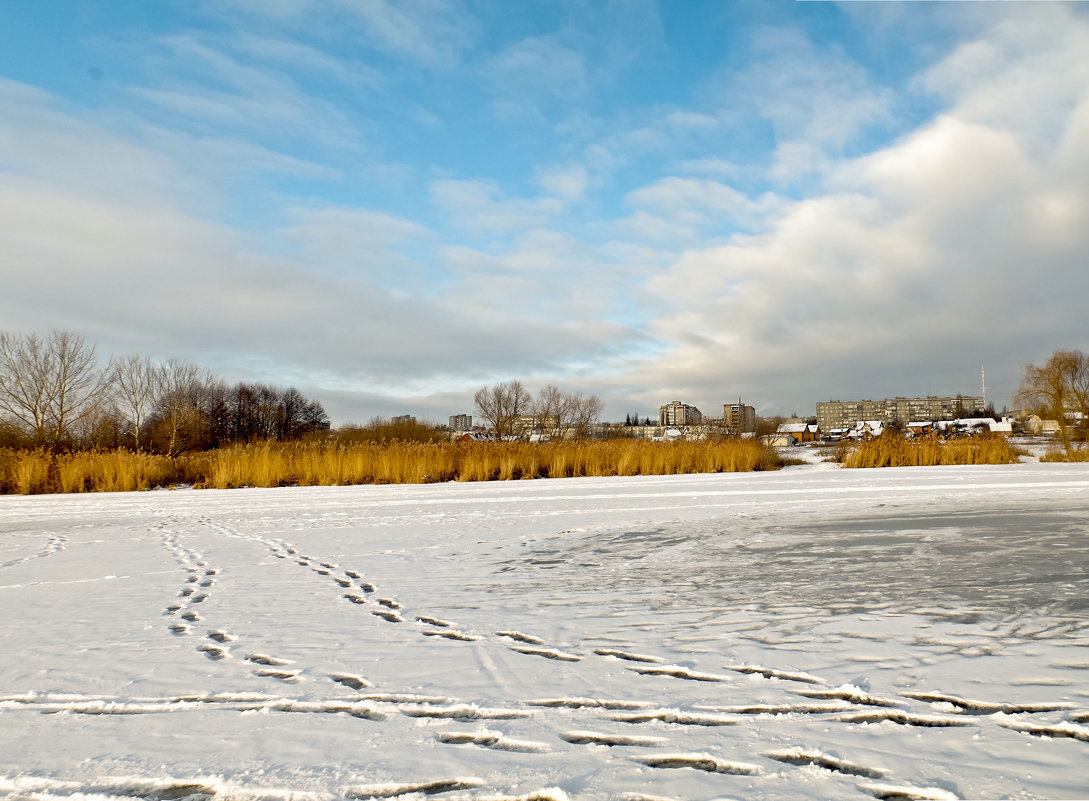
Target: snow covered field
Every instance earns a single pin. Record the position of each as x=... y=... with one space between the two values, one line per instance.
x=812 y=633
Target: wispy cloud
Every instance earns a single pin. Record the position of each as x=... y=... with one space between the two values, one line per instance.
x=481 y=206
x=431 y=32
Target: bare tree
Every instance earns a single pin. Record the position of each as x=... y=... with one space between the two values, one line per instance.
x=24 y=384
x=502 y=405
x=1056 y=388
x=552 y=412
x=178 y=406
x=137 y=384
x=51 y=386
x=562 y=415
x=585 y=412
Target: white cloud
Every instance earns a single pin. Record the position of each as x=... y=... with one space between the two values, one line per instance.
x=432 y=32
x=201 y=81
x=567 y=183
x=481 y=206
x=686 y=210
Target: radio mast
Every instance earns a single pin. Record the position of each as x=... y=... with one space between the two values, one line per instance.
x=983 y=385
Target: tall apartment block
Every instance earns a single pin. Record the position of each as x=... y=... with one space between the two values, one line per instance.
x=461 y=422
x=739 y=417
x=676 y=413
x=845 y=414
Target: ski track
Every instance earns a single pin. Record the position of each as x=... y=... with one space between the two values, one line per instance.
x=756 y=698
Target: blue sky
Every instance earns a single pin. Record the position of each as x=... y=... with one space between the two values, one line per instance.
x=390 y=204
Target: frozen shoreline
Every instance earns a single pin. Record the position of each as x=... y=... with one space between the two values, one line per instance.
x=806 y=633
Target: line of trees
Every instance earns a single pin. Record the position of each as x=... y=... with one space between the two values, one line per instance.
x=1058 y=389
x=512 y=413
x=56 y=394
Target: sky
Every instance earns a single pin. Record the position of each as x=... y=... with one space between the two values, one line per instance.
x=391 y=203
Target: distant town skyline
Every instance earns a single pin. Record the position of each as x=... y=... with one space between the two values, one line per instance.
x=392 y=204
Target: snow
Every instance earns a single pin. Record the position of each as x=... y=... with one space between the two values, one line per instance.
x=811 y=633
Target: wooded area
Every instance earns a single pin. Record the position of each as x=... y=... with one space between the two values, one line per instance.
x=56 y=394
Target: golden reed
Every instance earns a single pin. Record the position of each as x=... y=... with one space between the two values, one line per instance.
x=895 y=451
x=268 y=464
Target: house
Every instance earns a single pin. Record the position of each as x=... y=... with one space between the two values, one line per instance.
x=798 y=433
x=1039 y=427
x=476 y=436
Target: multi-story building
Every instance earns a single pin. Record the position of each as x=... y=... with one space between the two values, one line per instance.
x=461 y=422
x=402 y=419
x=847 y=414
x=739 y=418
x=676 y=413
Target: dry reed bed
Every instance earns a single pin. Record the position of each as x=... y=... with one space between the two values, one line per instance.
x=327 y=464
x=1056 y=454
x=893 y=451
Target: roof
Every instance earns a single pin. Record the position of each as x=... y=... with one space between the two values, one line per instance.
x=792 y=428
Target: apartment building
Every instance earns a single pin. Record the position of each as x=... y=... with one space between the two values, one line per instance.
x=676 y=413
x=847 y=414
x=403 y=419
x=739 y=417
x=461 y=422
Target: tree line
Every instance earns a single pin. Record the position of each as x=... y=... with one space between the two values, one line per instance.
x=511 y=412
x=55 y=393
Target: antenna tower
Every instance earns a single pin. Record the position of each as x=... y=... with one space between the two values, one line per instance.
x=983 y=385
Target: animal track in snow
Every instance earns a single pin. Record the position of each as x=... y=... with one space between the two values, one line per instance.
x=451 y=635
x=392 y=617
x=355 y=599
x=220 y=636
x=351 y=680
x=55 y=544
x=1064 y=729
x=424 y=788
x=265 y=659
x=589 y=703
x=290 y=676
x=905 y=719
x=463 y=712
x=547 y=653
x=213 y=652
x=985 y=707
x=704 y=762
x=625 y=655
x=495 y=740
x=518 y=636
x=677 y=716
x=389 y=603
x=852 y=694
x=594 y=738
x=433 y=621
x=891 y=792
x=802 y=756
x=677 y=672
x=772 y=673
x=781 y=709
x=408 y=698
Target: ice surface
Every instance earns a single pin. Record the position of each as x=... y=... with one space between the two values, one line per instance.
x=813 y=633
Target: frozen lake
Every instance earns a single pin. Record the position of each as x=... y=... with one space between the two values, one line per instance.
x=811 y=633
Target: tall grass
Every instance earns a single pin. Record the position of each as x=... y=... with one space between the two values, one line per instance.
x=896 y=451
x=1056 y=454
x=330 y=463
